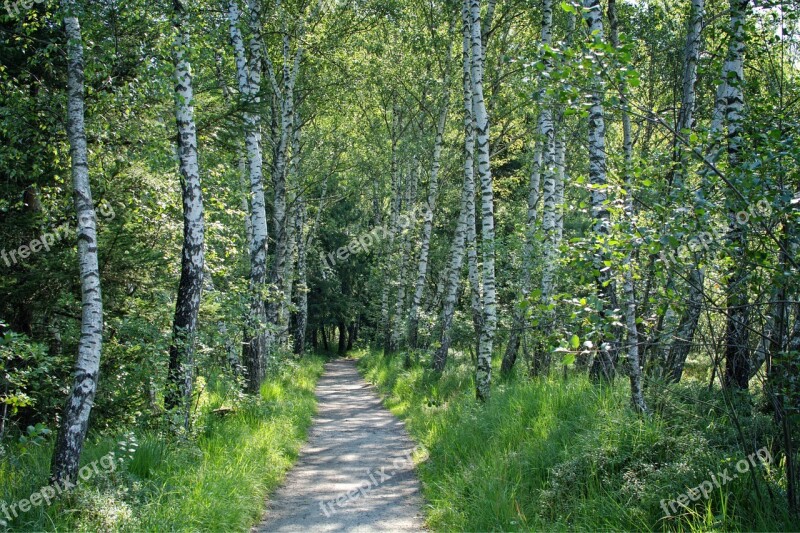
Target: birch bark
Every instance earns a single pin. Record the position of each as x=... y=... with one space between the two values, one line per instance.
x=190 y=288
x=75 y=419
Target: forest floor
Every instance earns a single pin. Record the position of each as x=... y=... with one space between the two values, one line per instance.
x=356 y=472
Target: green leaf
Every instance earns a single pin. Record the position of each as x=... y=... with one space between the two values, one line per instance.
x=574 y=342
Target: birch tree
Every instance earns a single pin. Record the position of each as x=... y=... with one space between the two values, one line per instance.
x=427 y=227
x=737 y=335
x=284 y=94
x=190 y=288
x=603 y=364
x=466 y=214
x=684 y=335
x=542 y=165
x=75 y=419
x=629 y=294
x=484 y=367
x=248 y=74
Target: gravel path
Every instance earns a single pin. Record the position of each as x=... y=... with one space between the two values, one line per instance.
x=355 y=472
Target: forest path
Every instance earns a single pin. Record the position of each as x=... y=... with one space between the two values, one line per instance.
x=354 y=473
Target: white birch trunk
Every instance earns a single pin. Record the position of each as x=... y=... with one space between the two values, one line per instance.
x=190 y=288
x=737 y=335
x=462 y=233
x=285 y=96
x=257 y=341
x=394 y=214
x=75 y=420
x=542 y=161
x=603 y=365
x=301 y=286
x=396 y=338
x=427 y=228
x=547 y=138
x=683 y=338
x=484 y=367
x=560 y=184
x=628 y=289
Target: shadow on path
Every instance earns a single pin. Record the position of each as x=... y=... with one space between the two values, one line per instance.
x=355 y=472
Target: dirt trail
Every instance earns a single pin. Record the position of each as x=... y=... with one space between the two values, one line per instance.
x=354 y=473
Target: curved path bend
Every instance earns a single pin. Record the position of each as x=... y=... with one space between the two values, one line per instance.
x=355 y=471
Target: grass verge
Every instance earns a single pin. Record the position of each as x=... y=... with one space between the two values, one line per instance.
x=561 y=454
x=215 y=480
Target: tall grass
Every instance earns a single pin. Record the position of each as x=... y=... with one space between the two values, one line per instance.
x=560 y=453
x=217 y=480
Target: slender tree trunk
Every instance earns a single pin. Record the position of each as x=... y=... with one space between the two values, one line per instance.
x=560 y=146
x=394 y=216
x=737 y=335
x=187 y=306
x=257 y=337
x=301 y=287
x=603 y=364
x=467 y=202
x=542 y=161
x=284 y=316
x=547 y=137
x=351 y=335
x=684 y=336
x=484 y=367
x=342 y=337
x=629 y=294
x=75 y=419
x=427 y=228
x=285 y=97
x=396 y=338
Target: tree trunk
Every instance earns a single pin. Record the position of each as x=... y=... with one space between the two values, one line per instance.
x=484 y=367
x=628 y=289
x=737 y=335
x=427 y=228
x=187 y=306
x=301 y=287
x=543 y=141
x=467 y=202
x=400 y=303
x=351 y=335
x=682 y=342
x=342 y=337
x=257 y=338
x=394 y=216
x=285 y=98
x=603 y=364
x=75 y=419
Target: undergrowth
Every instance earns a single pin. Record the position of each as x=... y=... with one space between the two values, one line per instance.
x=561 y=453
x=215 y=479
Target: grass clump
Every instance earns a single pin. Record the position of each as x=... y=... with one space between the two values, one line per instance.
x=561 y=453
x=216 y=479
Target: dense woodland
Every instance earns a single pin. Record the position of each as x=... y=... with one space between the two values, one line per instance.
x=562 y=237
